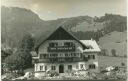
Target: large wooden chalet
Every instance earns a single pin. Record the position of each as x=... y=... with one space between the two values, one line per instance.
x=61 y=51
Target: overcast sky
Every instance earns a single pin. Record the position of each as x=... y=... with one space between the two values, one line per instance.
x=53 y=9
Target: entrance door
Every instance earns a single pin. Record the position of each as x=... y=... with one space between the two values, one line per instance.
x=61 y=69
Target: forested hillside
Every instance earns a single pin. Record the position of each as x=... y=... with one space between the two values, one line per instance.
x=16 y=22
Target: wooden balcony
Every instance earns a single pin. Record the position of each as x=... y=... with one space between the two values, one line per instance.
x=60 y=60
x=55 y=58
x=61 y=49
x=63 y=55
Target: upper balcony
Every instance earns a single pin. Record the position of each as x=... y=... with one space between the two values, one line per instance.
x=61 y=49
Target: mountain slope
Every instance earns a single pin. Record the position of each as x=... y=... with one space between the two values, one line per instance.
x=93 y=26
x=108 y=30
x=115 y=40
x=17 y=21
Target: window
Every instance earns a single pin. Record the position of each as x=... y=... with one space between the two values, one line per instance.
x=75 y=54
x=81 y=66
x=71 y=54
x=91 y=56
x=66 y=55
x=53 y=44
x=53 y=67
x=68 y=44
x=92 y=66
x=61 y=55
x=41 y=56
x=45 y=68
x=69 y=67
x=60 y=44
x=81 y=55
x=41 y=68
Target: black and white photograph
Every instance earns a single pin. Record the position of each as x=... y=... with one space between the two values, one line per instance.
x=81 y=40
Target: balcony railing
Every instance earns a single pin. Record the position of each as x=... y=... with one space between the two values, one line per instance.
x=61 y=49
x=61 y=59
x=55 y=60
x=64 y=55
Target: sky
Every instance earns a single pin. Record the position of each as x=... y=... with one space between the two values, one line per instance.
x=53 y=9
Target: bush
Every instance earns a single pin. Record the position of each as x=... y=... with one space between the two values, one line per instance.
x=53 y=73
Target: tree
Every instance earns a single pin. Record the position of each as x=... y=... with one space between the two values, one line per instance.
x=27 y=43
x=26 y=46
x=113 y=52
x=22 y=59
x=19 y=60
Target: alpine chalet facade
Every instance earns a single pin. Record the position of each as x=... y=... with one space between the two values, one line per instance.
x=61 y=51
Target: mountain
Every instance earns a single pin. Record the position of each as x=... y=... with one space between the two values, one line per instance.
x=16 y=22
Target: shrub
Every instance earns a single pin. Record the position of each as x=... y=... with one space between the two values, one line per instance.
x=52 y=73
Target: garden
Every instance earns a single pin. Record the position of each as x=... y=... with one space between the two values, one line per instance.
x=115 y=74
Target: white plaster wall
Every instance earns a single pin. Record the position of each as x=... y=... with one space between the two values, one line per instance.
x=93 y=61
x=57 y=66
x=74 y=65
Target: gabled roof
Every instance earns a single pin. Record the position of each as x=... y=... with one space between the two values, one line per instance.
x=92 y=46
x=60 y=34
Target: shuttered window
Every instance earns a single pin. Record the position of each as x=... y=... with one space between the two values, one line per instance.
x=92 y=66
x=41 y=68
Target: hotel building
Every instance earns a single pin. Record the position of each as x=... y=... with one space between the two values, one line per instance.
x=61 y=51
